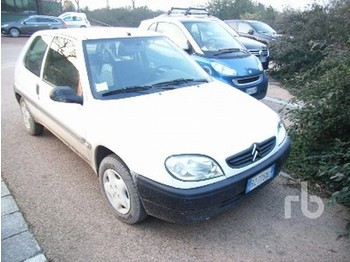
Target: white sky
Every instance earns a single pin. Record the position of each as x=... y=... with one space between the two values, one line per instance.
x=167 y=4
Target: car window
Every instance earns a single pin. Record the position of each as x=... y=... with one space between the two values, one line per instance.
x=173 y=32
x=34 y=56
x=211 y=36
x=68 y=18
x=77 y=18
x=31 y=20
x=244 y=27
x=126 y=63
x=153 y=27
x=61 y=64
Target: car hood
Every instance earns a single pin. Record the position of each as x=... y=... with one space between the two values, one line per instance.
x=251 y=43
x=245 y=65
x=212 y=119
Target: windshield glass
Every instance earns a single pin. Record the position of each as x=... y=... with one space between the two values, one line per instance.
x=135 y=66
x=263 y=28
x=211 y=36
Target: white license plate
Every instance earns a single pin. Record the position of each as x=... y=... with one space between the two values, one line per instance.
x=251 y=90
x=257 y=180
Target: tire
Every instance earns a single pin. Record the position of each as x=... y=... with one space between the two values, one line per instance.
x=31 y=126
x=14 y=32
x=120 y=192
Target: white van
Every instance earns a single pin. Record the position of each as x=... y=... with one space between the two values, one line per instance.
x=73 y=19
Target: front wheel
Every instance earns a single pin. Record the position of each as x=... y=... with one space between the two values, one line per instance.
x=14 y=32
x=120 y=191
x=31 y=126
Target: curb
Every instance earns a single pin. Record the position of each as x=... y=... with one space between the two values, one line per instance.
x=17 y=243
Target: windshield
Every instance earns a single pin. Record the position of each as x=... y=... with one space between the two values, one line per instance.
x=212 y=37
x=262 y=28
x=135 y=66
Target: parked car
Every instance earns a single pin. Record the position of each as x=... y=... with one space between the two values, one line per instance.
x=213 y=47
x=253 y=29
x=74 y=19
x=164 y=137
x=259 y=49
x=31 y=24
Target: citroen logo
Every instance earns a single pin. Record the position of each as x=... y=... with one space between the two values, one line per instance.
x=255 y=152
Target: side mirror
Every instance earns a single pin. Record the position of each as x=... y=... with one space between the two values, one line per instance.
x=251 y=32
x=185 y=46
x=24 y=22
x=65 y=94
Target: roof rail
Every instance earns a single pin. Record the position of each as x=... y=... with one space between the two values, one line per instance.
x=189 y=11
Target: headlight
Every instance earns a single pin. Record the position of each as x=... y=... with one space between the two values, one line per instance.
x=192 y=167
x=222 y=69
x=281 y=132
x=261 y=68
x=5 y=25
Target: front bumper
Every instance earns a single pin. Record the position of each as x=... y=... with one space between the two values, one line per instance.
x=190 y=205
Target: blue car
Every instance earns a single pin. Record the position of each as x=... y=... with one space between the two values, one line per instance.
x=212 y=46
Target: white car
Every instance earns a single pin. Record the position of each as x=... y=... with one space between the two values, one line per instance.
x=73 y=19
x=164 y=138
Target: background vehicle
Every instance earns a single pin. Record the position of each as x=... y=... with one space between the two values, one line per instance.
x=164 y=137
x=259 y=49
x=31 y=24
x=256 y=30
x=73 y=19
x=213 y=47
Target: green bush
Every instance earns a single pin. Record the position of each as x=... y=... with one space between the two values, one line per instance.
x=312 y=60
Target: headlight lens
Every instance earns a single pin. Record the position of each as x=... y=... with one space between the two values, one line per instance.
x=261 y=68
x=224 y=70
x=192 y=167
x=281 y=132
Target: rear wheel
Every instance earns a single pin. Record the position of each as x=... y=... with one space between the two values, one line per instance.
x=120 y=191
x=31 y=126
x=14 y=32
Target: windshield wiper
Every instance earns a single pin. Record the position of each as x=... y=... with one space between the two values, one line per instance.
x=228 y=50
x=179 y=81
x=127 y=90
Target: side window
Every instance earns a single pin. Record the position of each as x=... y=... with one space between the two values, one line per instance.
x=173 y=32
x=60 y=67
x=34 y=56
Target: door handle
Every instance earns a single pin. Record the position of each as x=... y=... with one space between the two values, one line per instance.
x=37 y=89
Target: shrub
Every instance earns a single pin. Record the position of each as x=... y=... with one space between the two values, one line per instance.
x=313 y=60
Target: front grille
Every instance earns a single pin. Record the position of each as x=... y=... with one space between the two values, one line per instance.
x=256 y=152
x=247 y=80
x=259 y=52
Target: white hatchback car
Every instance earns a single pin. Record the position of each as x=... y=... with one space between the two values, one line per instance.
x=165 y=138
x=73 y=19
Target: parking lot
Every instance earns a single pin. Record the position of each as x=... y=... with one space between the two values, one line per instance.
x=58 y=195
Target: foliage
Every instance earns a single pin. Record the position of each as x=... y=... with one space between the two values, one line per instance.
x=312 y=59
x=121 y=16
x=242 y=9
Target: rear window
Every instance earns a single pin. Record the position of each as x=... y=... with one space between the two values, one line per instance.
x=34 y=56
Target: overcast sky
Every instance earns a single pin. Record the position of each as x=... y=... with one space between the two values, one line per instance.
x=167 y=4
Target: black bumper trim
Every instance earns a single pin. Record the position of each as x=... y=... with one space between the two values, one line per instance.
x=197 y=204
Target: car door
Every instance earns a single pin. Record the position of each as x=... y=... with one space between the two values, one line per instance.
x=28 y=72
x=65 y=120
x=30 y=25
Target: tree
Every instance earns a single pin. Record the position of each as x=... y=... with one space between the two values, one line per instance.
x=68 y=6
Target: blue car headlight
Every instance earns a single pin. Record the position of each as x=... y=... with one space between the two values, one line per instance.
x=224 y=70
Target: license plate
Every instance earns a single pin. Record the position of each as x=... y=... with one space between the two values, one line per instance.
x=257 y=180
x=251 y=90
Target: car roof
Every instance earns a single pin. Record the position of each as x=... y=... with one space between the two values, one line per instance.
x=99 y=32
x=47 y=16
